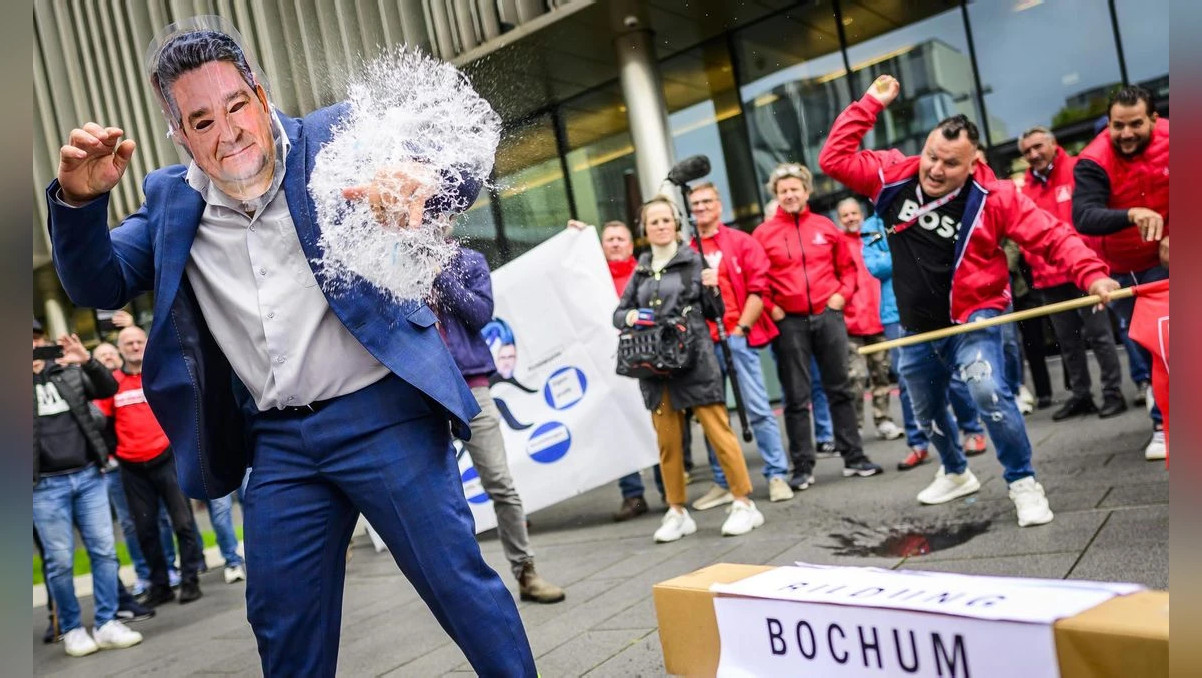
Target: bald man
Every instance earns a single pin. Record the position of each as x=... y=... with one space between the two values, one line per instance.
x=106 y=354
x=148 y=474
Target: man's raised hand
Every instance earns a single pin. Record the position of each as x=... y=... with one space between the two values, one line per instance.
x=884 y=89
x=92 y=162
x=397 y=196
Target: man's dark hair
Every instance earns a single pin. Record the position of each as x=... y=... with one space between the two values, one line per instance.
x=1130 y=96
x=189 y=51
x=953 y=126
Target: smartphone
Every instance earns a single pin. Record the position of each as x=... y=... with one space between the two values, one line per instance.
x=52 y=352
x=104 y=321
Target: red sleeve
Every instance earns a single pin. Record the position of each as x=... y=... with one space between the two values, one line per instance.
x=1043 y=235
x=766 y=296
x=841 y=157
x=845 y=264
x=755 y=266
x=105 y=405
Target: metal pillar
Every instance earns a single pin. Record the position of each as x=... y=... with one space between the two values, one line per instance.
x=646 y=111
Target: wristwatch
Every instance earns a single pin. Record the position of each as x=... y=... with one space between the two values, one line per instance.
x=746 y=329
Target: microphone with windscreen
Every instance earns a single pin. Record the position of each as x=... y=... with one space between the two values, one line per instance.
x=691 y=168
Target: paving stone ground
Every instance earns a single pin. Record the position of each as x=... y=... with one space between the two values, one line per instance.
x=1112 y=521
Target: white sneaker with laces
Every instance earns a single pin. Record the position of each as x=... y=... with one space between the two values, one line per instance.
x=1156 y=448
x=888 y=430
x=115 y=636
x=78 y=643
x=235 y=573
x=779 y=490
x=949 y=486
x=715 y=497
x=675 y=525
x=1031 y=502
x=743 y=518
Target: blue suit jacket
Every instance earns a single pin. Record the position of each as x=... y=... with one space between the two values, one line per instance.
x=187 y=379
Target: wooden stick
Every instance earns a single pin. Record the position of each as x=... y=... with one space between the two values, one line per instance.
x=1049 y=309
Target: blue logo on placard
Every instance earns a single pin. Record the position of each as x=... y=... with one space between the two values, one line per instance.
x=565 y=387
x=549 y=442
x=472 y=488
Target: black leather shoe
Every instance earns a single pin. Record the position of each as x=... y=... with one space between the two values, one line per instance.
x=189 y=591
x=632 y=507
x=1075 y=407
x=1043 y=402
x=158 y=595
x=1112 y=407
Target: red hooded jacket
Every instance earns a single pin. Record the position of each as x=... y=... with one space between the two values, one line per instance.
x=1056 y=197
x=808 y=262
x=747 y=269
x=863 y=310
x=995 y=210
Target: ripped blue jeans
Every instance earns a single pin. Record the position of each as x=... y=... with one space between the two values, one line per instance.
x=979 y=360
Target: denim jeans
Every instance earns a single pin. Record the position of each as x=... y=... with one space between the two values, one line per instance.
x=824 y=430
x=978 y=357
x=223 y=527
x=1125 y=307
x=632 y=485
x=759 y=411
x=965 y=411
x=1013 y=370
x=62 y=503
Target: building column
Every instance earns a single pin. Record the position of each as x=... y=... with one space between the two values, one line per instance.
x=643 y=93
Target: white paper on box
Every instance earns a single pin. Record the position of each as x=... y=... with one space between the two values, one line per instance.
x=1000 y=598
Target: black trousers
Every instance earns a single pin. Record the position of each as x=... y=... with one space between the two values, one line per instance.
x=145 y=485
x=1032 y=331
x=823 y=336
x=1075 y=329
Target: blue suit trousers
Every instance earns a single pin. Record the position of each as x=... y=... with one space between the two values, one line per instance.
x=383 y=451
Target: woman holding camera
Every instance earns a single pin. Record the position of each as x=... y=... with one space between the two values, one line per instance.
x=667 y=284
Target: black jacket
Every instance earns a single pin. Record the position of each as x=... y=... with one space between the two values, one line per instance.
x=676 y=287
x=78 y=385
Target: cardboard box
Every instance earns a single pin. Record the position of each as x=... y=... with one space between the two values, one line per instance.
x=1125 y=637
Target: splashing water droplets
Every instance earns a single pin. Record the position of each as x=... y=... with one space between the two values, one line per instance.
x=411 y=112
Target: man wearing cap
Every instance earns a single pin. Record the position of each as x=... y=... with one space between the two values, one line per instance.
x=945 y=216
x=344 y=401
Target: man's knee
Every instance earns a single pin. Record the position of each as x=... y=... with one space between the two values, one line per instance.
x=985 y=388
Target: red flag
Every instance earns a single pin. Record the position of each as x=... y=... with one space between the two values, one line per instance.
x=1150 y=328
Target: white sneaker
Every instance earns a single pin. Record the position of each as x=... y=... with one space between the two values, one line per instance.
x=779 y=490
x=1031 y=502
x=675 y=525
x=78 y=643
x=1156 y=448
x=743 y=519
x=888 y=430
x=1025 y=401
x=715 y=497
x=114 y=636
x=235 y=573
x=949 y=486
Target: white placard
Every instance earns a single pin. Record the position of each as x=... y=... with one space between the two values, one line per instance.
x=570 y=423
x=1001 y=598
x=781 y=639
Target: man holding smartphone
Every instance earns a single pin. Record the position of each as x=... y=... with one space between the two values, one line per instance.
x=69 y=492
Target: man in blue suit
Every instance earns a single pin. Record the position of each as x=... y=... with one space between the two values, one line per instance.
x=343 y=403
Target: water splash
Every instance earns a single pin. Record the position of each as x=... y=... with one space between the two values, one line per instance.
x=405 y=109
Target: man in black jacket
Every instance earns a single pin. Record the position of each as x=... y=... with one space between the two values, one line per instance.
x=69 y=492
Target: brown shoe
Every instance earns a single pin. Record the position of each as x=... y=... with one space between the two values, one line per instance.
x=632 y=507
x=535 y=588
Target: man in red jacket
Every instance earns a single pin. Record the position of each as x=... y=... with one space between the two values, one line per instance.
x=1049 y=184
x=1122 y=196
x=864 y=327
x=811 y=276
x=737 y=266
x=945 y=217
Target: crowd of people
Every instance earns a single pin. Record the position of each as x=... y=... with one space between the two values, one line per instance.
x=815 y=292
x=315 y=409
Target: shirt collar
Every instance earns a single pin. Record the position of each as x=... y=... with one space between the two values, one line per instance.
x=201 y=182
x=1044 y=175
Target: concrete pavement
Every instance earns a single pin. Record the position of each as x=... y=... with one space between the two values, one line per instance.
x=1111 y=524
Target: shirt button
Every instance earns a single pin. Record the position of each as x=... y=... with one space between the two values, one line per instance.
x=252 y=229
x=262 y=271
x=279 y=360
x=291 y=398
x=271 y=314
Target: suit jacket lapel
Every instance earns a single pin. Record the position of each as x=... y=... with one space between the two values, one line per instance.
x=181 y=218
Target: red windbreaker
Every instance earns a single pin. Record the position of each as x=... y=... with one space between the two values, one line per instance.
x=863 y=310
x=1056 y=197
x=808 y=262
x=747 y=269
x=995 y=210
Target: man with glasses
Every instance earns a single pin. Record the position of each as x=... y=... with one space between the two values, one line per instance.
x=738 y=266
x=945 y=217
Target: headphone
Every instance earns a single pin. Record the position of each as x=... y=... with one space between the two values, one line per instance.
x=661 y=199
